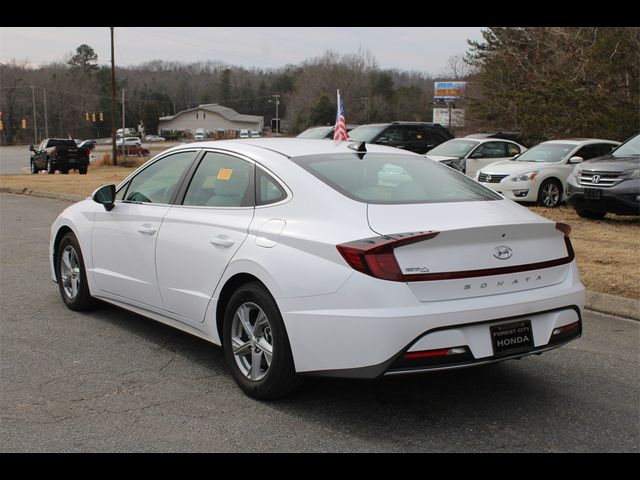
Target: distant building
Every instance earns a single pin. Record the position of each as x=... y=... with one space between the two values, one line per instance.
x=212 y=118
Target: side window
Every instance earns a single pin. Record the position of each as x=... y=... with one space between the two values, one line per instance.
x=512 y=149
x=491 y=150
x=394 y=134
x=221 y=181
x=268 y=190
x=157 y=182
x=120 y=193
x=587 y=152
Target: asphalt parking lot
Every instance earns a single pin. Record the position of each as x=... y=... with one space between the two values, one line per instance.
x=110 y=380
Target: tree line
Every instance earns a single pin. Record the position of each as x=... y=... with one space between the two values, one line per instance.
x=545 y=82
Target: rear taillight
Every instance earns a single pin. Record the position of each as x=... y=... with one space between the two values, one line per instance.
x=566 y=230
x=375 y=257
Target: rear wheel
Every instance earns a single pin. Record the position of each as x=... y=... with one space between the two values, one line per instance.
x=550 y=193
x=82 y=170
x=256 y=346
x=71 y=274
x=64 y=171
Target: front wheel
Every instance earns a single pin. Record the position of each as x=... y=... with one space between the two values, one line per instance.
x=50 y=169
x=589 y=213
x=256 y=346
x=34 y=167
x=550 y=193
x=82 y=170
x=71 y=274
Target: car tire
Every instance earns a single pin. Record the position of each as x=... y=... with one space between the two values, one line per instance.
x=34 y=167
x=592 y=214
x=71 y=275
x=50 y=169
x=64 y=171
x=82 y=170
x=252 y=326
x=550 y=193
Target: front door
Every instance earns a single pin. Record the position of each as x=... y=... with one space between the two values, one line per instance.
x=124 y=239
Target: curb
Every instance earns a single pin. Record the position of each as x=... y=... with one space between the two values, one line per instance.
x=44 y=194
x=595 y=301
x=612 y=305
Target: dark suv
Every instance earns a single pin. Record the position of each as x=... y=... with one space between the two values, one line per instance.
x=608 y=184
x=418 y=137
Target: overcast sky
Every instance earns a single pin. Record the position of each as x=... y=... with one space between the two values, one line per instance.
x=424 y=49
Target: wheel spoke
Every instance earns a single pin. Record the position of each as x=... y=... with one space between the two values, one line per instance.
x=74 y=287
x=256 y=362
x=66 y=261
x=261 y=323
x=240 y=347
x=243 y=316
x=267 y=349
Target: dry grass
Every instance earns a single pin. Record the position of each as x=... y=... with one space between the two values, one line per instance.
x=608 y=251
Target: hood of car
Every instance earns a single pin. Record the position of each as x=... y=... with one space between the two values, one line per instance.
x=441 y=158
x=611 y=164
x=511 y=167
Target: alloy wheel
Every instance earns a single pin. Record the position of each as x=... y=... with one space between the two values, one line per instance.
x=550 y=194
x=70 y=272
x=251 y=341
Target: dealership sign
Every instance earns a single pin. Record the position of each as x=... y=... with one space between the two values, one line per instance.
x=441 y=116
x=447 y=91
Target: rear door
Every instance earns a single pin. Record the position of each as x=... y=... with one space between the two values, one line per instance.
x=200 y=235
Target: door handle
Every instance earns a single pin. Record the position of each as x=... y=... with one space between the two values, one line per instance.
x=147 y=229
x=221 y=241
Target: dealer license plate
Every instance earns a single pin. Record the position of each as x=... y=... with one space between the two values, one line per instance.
x=594 y=193
x=511 y=338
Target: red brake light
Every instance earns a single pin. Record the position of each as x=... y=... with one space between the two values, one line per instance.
x=374 y=256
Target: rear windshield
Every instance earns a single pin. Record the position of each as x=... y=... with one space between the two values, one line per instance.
x=394 y=179
x=55 y=142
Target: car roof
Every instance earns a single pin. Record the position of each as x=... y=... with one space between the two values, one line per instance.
x=581 y=141
x=292 y=147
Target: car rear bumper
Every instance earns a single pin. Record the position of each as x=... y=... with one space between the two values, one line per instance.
x=370 y=342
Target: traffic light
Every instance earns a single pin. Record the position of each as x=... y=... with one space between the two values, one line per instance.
x=24 y=123
x=93 y=117
x=86 y=116
x=101 y=117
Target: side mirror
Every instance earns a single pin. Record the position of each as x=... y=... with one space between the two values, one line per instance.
x=576 y=160
x=32 y=148
x=105 y=196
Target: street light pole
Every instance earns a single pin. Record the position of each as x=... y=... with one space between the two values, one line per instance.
x=113 y=104
x=35 y=124
x=46 y=121
x=277 y=102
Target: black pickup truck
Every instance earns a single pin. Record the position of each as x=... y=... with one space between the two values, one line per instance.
x=59 y=154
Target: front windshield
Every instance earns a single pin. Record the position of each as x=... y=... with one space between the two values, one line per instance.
x=546 y=152
x=365 y=133
x=319 y=132
x=630 y=147
x=453 y=148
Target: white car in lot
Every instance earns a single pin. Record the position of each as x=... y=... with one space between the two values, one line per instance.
x=300 y=259
x=134 y=141
x=468 y=155
x=540 y=174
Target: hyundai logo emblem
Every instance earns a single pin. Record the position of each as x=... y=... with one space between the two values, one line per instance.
x=502 y=252
x=595 y=179
x=488 y=178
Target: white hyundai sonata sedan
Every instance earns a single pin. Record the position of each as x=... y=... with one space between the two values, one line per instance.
x=307 y=257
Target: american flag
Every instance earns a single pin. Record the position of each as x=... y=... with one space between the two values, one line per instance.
x=340 y=130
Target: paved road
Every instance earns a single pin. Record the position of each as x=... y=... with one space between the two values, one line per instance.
x=14 y=159
x=113 y=381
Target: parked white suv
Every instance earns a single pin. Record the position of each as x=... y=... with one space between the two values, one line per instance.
x=540 y=174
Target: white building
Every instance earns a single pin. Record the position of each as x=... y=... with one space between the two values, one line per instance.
x=211 y=117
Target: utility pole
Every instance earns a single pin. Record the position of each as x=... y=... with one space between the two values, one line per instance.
x=46 y=120
x=35 y=125
x=124 y=143
x=114 y=150
x=277 y=102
